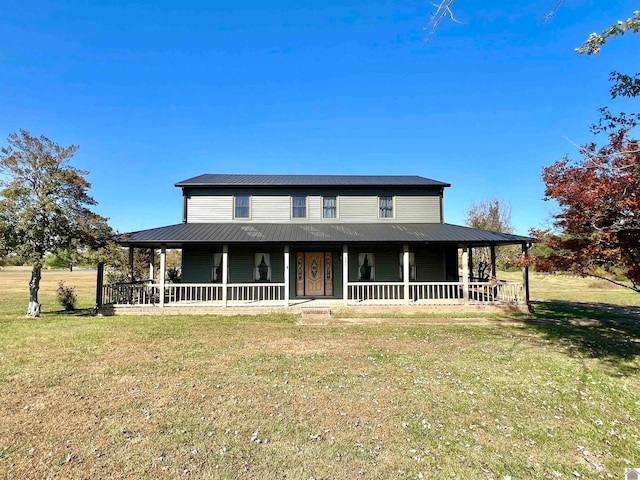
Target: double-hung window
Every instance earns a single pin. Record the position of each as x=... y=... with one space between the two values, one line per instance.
x=242 y=206
x=385 y=205
x=299 y=206
x=329 y=207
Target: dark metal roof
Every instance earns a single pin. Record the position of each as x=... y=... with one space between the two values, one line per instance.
x=240 y=180
x=207 y=233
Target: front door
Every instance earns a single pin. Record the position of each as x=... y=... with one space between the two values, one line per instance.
x=314 y=273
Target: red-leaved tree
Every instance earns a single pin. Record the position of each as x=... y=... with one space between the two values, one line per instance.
x=599 y=210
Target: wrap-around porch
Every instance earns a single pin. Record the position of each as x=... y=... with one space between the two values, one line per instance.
x=354 y=285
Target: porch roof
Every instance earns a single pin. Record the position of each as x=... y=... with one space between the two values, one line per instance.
x=176 y=236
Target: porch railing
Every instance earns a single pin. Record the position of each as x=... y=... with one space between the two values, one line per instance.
x=376 y=291
x=389 y=293
x=256 y=292
x=192 y=293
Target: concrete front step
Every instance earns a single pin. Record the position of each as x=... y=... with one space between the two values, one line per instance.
x=317 y=311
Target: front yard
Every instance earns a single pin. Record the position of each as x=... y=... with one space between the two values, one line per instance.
x=551 y=396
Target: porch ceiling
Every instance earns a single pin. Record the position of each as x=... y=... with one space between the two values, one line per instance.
x=175 y=236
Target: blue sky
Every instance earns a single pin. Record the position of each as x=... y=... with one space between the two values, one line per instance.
x=158 y=92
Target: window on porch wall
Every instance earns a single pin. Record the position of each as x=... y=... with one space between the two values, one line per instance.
x=262 y=267
x=216 y=273
x=366 y=267
x=412 y=267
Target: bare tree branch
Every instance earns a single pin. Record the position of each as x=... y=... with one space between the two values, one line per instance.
x=443 y=10
x=549 y=15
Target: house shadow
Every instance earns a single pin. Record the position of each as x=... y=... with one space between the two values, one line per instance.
x=78 y=312
x=607 y=332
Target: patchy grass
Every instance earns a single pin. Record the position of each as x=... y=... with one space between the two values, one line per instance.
x=554 y=396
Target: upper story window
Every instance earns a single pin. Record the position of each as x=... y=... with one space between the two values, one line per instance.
x=385 y=205
x=329 y=207
x=299 y=206
x=242 y=206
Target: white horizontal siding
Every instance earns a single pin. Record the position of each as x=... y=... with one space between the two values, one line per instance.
x=417 y=209
x=358 y=208
x=270 y=208
x=314 y=208
x=214 y=208
x=351 y=208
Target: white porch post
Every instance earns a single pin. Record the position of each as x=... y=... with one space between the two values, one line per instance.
x=345 y=274
x=151 y=255
x=131 y=279
x=286 y=275
x=525 y=276
x=465 y=274
x=225 y=275
x=163 y=258
x=405 y=271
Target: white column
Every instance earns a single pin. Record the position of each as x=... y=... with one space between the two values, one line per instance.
x=225 y=275
x=152 y=253
x=465 y=274
x=345 y=274
x=286 y=275
x=405 y=271
x=163 y=258
x=525 y=276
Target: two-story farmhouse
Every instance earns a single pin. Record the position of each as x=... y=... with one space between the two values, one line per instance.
x=286 y=239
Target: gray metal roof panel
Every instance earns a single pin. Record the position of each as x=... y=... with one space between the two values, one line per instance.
x=241 y=180
x=194 y=233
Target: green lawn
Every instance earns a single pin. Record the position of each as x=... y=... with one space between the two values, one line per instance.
x=554 y=395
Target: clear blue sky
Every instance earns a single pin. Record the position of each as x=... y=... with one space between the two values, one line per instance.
x=158 y=92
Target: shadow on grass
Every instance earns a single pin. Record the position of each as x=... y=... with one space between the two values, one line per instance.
x=603 y=331
x=78 y=312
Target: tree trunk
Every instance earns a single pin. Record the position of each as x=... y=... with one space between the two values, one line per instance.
x=34 y=286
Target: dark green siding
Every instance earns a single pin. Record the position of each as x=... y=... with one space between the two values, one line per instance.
x=197 y=266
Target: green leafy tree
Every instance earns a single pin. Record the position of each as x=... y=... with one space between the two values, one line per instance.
x=44 y=204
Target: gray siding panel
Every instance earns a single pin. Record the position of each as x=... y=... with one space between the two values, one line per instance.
x=270 y=208
x=417 y=209
x=277 y=208
x=358 y=208
x=314 y=208
x=215 y=208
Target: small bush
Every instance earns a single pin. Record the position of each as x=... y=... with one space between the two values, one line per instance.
x=66 y=296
